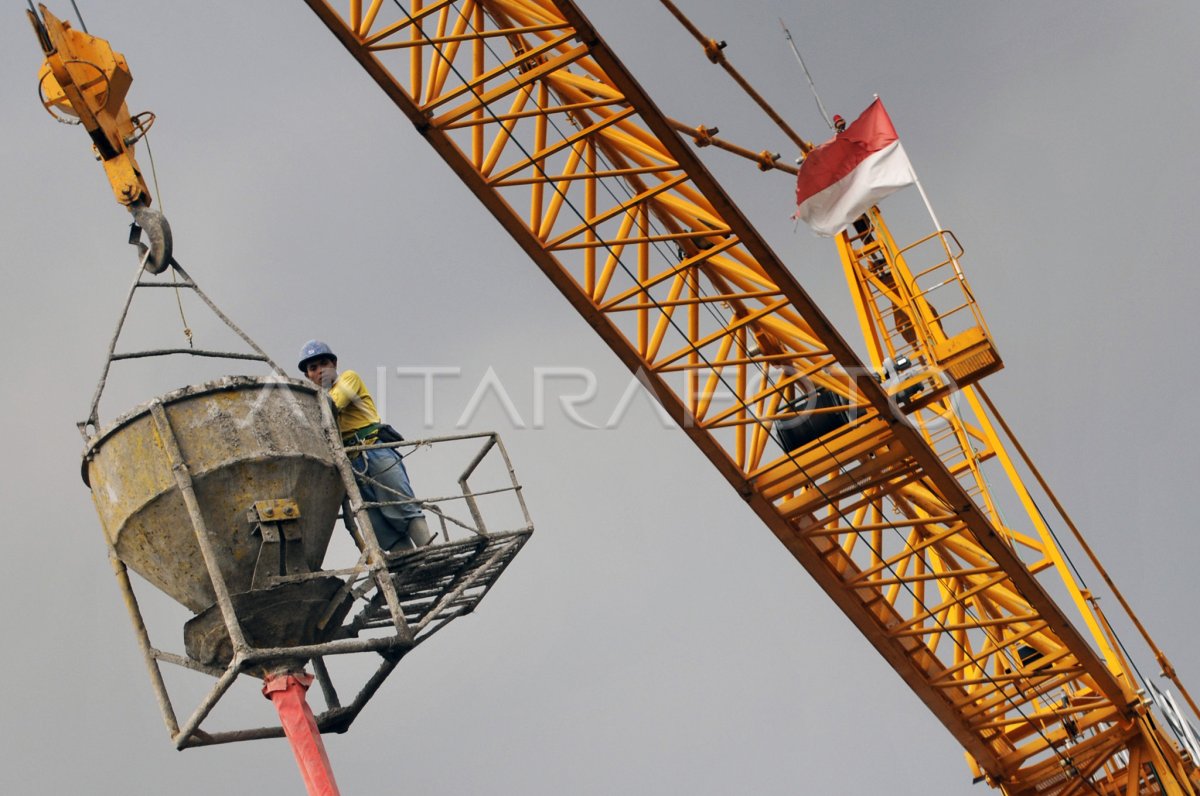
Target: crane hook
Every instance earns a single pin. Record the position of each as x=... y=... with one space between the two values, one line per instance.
x=158 y=232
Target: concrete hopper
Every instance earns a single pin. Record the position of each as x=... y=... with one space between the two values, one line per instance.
x=242 y=440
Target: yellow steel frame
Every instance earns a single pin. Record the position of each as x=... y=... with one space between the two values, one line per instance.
x=535 y=114
x=899 y=319
x=84 y=78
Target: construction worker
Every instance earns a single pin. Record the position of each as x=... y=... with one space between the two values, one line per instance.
x=379 y=472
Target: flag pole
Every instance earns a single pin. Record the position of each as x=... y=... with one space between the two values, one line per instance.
x=937 y=226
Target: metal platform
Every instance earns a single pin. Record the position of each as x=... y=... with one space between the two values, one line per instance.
x=434 y=585
x=441 y=582
x=224 y=497
x=384 y=604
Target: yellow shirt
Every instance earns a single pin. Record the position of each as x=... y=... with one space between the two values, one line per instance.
x=355 y=406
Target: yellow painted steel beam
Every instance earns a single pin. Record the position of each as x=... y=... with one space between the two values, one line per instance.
x=84 y=78
x=896 y=320
x=560 y=143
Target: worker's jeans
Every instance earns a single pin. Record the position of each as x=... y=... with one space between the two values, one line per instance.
x=385 y=467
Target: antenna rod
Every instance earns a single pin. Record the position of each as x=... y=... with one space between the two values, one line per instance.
x=787 y=33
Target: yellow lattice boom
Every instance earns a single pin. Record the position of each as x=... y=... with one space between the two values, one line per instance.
x=886 y=508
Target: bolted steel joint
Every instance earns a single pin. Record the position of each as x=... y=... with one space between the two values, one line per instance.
x=712 y=49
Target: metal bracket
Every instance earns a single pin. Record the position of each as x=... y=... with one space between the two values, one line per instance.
x=282 y=550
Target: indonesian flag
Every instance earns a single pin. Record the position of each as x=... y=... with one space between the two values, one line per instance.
x=840 y=179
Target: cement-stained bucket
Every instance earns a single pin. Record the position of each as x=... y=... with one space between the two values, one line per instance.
x=243 y=439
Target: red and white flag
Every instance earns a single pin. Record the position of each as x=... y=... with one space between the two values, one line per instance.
x=840 y=179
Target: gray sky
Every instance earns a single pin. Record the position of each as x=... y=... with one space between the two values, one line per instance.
x=653 y=637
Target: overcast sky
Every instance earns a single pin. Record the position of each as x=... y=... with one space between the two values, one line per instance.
x=653 y=637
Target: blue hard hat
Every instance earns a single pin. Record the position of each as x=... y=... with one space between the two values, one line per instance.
x=314 y=349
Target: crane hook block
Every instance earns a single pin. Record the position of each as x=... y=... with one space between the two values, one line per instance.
x=83 y=81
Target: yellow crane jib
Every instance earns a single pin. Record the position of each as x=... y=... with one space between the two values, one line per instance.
x=84 y=81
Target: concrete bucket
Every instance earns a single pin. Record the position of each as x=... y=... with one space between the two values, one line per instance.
x=243 y=440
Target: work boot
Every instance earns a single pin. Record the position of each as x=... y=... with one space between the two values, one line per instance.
x=418 y=531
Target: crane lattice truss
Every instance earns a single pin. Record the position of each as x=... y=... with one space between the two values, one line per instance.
x=888 y=513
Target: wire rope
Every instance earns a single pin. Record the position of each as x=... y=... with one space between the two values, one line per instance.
x=187 y=329
x=79 y=16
